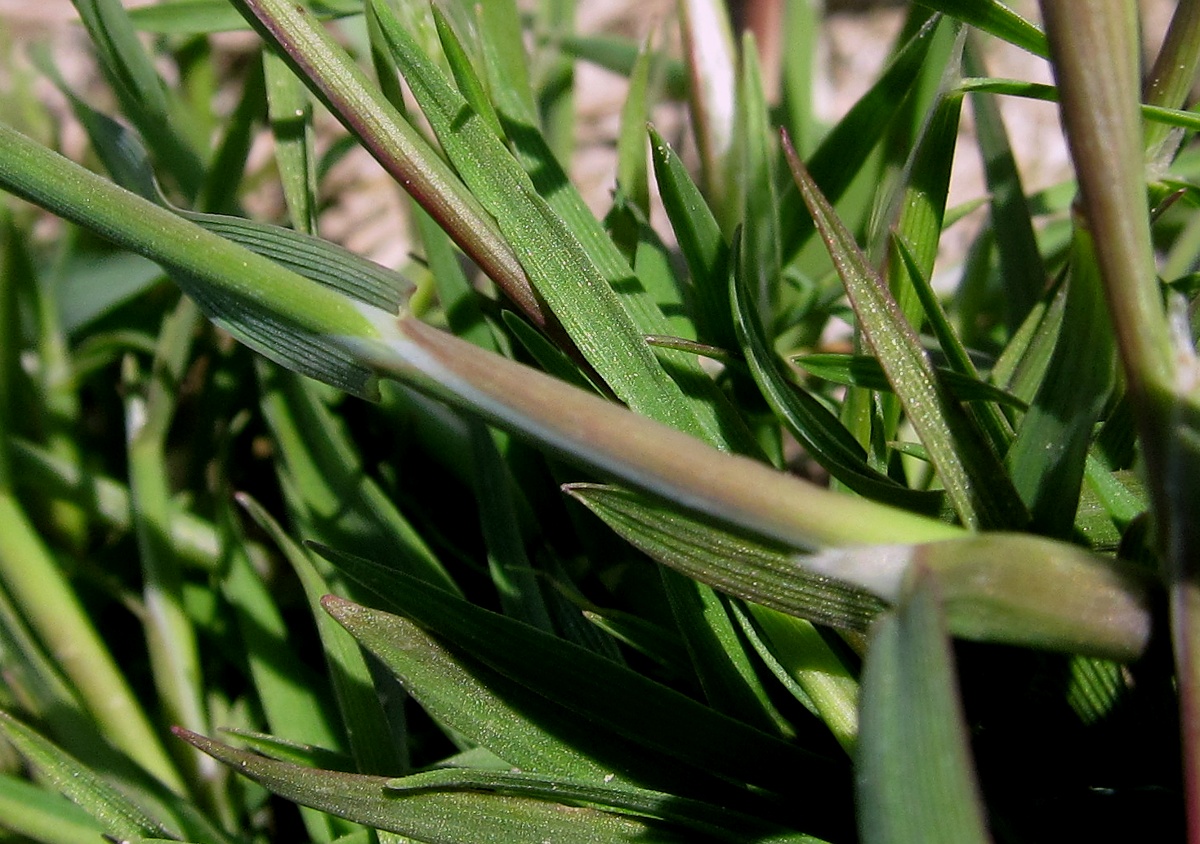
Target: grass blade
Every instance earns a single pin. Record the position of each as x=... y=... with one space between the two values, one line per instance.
x=916 y=782
x=971 y=472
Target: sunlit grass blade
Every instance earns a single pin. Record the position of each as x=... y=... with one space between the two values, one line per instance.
x=612 y=698
x=810 y=662
x=972 y=474
x=842 y=153
x=1047 y=457
x=116 y=814
x=289 y=110
x=916 y=781
x=1158 y=115
x=711 y=57
x=700 y=240
x=995 y=19
x=436 y=816
x=343 y=87
x=371 y=740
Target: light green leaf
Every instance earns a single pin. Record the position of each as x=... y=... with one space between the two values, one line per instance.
x=916 y=782
x=995 y=19
x=112 y=810
x=972 y=474
x=436 y=817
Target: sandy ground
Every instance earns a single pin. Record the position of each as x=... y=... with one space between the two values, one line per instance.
x=364 y=209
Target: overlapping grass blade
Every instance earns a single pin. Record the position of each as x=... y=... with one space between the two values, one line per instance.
x=1047 y=458
x=995 y=19
x=916 y=782
x=332 y=498
x=711 y=56
x=112 y=810
x=597 y=690
x=971 y=472
x=814 y=426
x=435 y=816
x=371 y=740
x=331 y=74
x=558 y=265
x=865 y=371
x=710 y=821
x=841 y=155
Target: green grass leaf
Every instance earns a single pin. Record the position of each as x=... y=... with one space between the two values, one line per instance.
x=434 y=816
x=973 y=476
x=759 y=571
x=116 y=814
x=995 y=19
x=916 y=783
x=607 y=696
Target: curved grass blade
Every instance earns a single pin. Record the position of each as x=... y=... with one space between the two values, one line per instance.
x=996 y=19
x=865 y=371
x=606 y=695
x=821 y=433
x=763 y=572
x=436 y=817
x=40 y=815
x=975 y=480
x=112 y=810
x=916 y=781
x=710 y=821
x=1171 y=117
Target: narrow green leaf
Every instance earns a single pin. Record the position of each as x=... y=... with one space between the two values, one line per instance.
x=516 y=581
x=632 y=175
x=437 y=817
x=721 y=824
x=343 y=87
x=700 y=240
x=145 y=98
x=865 y=371
x=996 y=19
x=972 y=474
x=328 y=490
x=760 y=261
x=374 y=747
x=916 y=781
x=1048 y=455
x=608 y=696
x=469 y=84
x=113 y=811
x=469 y=697
x=711 y=57
x=290 y=112
x=842 y=153
x=558 y=265
x=40 y=815
x=1170 y=117
x=758 y=571
x=620 y=55
x=205 y=17
x=823 y=436
x=1021 y=263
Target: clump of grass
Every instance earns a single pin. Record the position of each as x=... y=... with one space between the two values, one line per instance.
x=558 y=559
